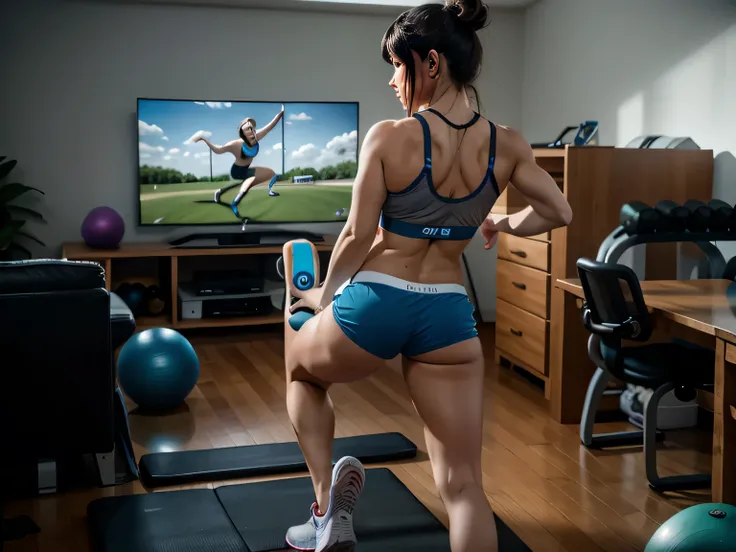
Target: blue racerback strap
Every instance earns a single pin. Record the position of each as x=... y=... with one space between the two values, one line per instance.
x=492 y=149
x=428 y=138
x=427 y=141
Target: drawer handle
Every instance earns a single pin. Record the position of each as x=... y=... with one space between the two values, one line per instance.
x=519 y=285
x=515 y=332
x=519 y=253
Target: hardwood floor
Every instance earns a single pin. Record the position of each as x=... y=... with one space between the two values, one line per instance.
x=550 y=490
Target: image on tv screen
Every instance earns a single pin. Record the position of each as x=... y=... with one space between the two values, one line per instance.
x=205 y=163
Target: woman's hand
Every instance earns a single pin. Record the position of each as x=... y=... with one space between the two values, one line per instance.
x=308 y=299
x=490 y=233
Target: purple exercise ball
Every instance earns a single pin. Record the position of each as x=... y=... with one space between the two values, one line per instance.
x=103 y=228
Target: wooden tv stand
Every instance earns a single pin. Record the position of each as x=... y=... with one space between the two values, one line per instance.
x=168 y=277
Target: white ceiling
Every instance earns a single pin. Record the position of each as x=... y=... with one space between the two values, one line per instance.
x=377 y=7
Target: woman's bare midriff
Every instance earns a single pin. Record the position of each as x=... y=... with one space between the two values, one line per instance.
x=416 y=260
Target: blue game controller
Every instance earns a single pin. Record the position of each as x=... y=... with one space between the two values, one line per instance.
x=303 y=281
x=304 y=278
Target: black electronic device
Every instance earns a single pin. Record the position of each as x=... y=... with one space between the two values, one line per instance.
x=194 y=306
x=225 y=282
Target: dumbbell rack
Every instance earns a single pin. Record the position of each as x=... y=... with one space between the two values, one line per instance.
x=618 y=241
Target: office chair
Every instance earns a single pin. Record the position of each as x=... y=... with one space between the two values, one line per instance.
x=614 y=310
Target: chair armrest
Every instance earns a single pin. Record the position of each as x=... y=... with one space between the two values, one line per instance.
x=122 y=321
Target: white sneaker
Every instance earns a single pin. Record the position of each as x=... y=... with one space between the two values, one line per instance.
x=333 y=532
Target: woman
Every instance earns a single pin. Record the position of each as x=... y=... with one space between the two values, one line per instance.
x=245 y=150
x=429 y=181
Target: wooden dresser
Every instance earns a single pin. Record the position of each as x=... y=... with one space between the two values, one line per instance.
x=597 y=181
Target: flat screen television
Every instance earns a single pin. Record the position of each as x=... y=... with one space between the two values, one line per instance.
x=186 y=178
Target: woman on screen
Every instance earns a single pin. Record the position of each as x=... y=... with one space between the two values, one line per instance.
x=245 y=150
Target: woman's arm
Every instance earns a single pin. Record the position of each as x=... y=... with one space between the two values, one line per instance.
x=359 y=232
x=548 y=208
x=261 y=134
x=216 y=149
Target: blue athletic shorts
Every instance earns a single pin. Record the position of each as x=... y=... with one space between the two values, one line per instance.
x=238 y=172
x=387 y=316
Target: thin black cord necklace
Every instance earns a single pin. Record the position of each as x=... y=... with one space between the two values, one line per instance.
x=444 y=115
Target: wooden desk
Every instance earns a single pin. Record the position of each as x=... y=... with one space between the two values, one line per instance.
x=706 y=306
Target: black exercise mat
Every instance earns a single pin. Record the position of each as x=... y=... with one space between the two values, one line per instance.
x=388 y=517
x=177 y=468
x=181 y=521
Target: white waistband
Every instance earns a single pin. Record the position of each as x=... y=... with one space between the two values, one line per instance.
x=380 y=278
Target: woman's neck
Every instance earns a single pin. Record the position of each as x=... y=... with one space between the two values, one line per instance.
x=451 y=101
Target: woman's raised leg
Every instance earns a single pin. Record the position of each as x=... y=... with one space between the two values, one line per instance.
x=316 y=356
x=446 y=387
x=262 y=174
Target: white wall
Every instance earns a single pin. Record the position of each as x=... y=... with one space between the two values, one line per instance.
x=639 y=67
x=75 y=70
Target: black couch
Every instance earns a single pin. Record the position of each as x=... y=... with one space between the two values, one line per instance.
x=59 y=328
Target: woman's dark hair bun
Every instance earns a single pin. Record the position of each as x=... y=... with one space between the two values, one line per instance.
x=449 y=29
x=473 y=13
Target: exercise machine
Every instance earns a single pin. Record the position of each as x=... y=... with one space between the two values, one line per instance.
x=585 y=134
x=663 y=142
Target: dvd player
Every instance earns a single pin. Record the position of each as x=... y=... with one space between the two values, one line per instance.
x=194 y=306
x=225 y=282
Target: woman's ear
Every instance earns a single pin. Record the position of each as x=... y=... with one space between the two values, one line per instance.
x=433 y=60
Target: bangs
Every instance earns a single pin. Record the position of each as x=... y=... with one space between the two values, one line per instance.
x=387 y=43
x=400 y=40
x=395 y=43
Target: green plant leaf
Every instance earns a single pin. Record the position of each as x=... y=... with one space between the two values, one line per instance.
x=30 y=237
x=9 y=192
x=9 y=231
x=5 y=168
x=25 y=211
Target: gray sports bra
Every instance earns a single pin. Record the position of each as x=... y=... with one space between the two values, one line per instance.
x=419 y=211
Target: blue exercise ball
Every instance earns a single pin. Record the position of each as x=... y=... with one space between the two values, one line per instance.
x=700 y=528
x=158 y=368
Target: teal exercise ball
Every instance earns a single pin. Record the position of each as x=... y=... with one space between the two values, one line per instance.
x=158 y=368
x=701 y=528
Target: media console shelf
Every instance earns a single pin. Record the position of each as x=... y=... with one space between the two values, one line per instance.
x=168 y=276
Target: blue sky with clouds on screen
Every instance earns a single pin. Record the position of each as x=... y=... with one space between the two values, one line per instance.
x=314 y=134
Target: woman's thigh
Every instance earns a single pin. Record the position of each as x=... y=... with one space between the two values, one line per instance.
x=322 y=350
x=262 y=174
x=447 y=387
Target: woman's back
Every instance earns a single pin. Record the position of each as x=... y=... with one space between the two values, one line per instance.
x=444 y=173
